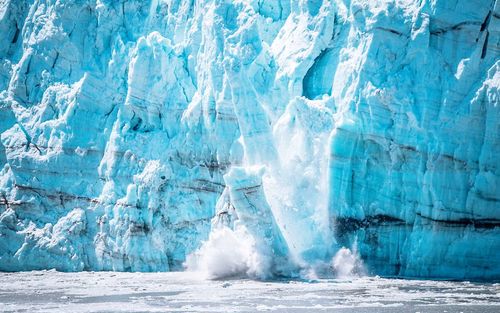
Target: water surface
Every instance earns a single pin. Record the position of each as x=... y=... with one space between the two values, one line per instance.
x=50 y=291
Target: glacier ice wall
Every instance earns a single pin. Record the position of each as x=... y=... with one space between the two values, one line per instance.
x=130 y=130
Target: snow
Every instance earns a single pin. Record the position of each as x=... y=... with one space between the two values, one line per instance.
x=279 y=137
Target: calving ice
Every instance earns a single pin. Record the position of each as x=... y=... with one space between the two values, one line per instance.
x=252 y=138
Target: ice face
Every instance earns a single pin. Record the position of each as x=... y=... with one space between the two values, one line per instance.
x=135 y=134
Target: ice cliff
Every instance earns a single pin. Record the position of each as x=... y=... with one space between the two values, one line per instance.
x=250 y=136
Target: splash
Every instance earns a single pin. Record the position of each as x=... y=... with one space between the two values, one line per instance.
x=230 y=253
x=347 y=263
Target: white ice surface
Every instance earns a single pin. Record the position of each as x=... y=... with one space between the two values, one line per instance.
x=50 y=291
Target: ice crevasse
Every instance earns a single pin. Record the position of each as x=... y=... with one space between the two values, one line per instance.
x=250 y=136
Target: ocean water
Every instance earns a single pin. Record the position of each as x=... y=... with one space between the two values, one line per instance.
x=51 y=291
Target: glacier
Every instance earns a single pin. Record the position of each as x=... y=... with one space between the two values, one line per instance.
x=262 y=138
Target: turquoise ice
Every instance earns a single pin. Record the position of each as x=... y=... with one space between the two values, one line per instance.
x=138 y=134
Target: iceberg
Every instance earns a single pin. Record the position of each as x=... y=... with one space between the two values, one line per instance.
x=248 y=137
